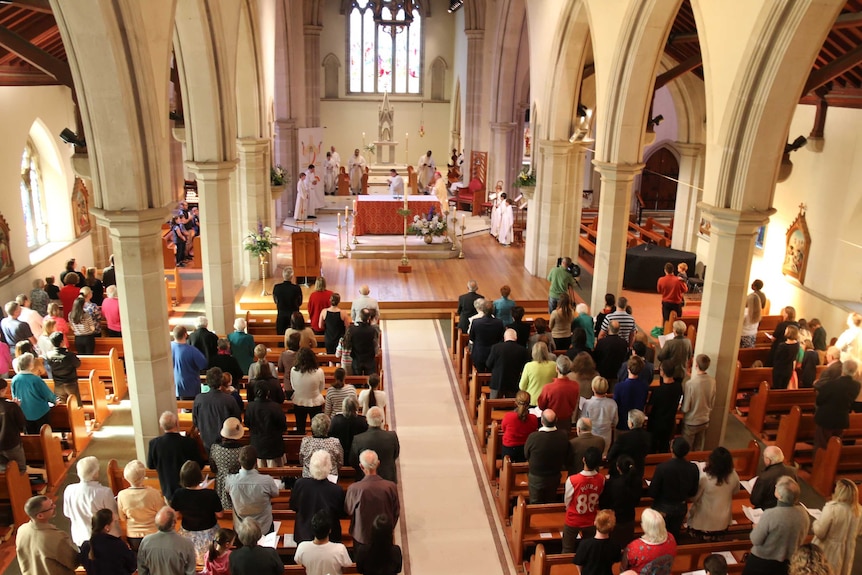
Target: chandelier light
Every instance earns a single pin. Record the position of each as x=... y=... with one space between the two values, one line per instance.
x=394 y=16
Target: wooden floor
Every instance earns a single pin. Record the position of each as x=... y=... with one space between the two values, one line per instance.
x=485 y=260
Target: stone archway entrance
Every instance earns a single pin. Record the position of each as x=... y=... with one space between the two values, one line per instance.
x=658 y=190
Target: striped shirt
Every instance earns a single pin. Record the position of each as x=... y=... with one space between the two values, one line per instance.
x=626 y=321
x=335 y=398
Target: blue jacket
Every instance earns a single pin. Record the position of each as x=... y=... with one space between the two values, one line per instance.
x=629 y=394
x=188 y=364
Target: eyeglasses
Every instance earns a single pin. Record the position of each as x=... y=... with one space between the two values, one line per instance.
x=51 y=508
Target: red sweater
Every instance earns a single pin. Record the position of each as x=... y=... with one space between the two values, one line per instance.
x=582 y=494
x=671 y=288
x=515 y=431
x=562 y=395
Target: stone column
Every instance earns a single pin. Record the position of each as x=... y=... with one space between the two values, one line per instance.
x=554 y=208
x=285 y=154
x=614 y=209
x=473 y=92
x=502 y=142
x=214 y=189
x=686 y=218
x=254 y=200
x=731 y=246
x=137 y=243
x=311 y=35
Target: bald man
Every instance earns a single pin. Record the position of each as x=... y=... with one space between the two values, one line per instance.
x=548 y=452
x=506 y=362
x=763 y=493
x=362 y=302
x=166 y=551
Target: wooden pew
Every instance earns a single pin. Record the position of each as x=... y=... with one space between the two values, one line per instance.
x=14 y=492
x=654 y=225
x=795 y=435
x=44 y=451
x=109 y=368
x=767 y=405
x=836 y=459
x=748 y=355
x=93 y=397
x=489 y=411
x=69 y=418
x=478 y=387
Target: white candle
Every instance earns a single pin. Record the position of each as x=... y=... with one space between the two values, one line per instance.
x=339 y=220
x=463 y=220
x=405 y=201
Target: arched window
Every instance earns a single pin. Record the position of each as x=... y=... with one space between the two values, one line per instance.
x=33 y=198
x=380 y=60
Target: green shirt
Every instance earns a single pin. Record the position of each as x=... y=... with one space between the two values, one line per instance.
x=561 y=280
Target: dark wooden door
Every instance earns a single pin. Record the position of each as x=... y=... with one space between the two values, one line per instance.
x=657 y=191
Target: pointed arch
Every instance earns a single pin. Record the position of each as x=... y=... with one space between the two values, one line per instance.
x=331 y=64
x=438 y=78
x=250 y=94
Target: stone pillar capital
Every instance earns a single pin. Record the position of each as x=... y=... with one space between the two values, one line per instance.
x=252 y=145
x=689 y=149
x=132 y=223
x=503 y=126
x=474 y=34
x=212 y=171
x=728 y=222
x=613 y=171
x=312 y=29
x=555 y=147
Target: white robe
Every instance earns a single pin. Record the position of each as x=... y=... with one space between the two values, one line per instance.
x=301 y=212
x=330 y=177
x=316 y=198
x=425 y=172
x=396 y=185
x=355 y=168
x=495 y=217
x=337 y=159
x=507 y=223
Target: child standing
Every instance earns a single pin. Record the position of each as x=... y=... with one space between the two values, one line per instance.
x=596 y=556
x=216 y=562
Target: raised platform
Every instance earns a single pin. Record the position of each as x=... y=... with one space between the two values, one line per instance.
x=392 y=247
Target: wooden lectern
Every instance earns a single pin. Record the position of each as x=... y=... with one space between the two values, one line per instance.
x=306 y=254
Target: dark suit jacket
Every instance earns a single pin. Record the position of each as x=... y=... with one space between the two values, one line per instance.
x=167 y=454
x=548 y=452
x=636 y=444
x=834 y=401
x=763 y=492
x=580 y=444
x=287 y=297
x=506 y=361
x=484 y=333
x=385 y=444
x=832 y=371
x=610 y=352
x=206 y=341
x=309 y=496
x=466 y=309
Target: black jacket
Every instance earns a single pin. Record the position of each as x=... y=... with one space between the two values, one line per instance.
x=309 y=496
x=267 y=423
x=466 y=309
x=506 y=362
x=636 y=444
x=385 y=444
x=834 y=401
x=206 y=341
x=63 y=365
x=484 y=333
x=674 y=481
x=167 y=454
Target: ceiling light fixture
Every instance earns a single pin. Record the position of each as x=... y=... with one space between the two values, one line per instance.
x=70 y=137
x=454 y=5
x=394 y=16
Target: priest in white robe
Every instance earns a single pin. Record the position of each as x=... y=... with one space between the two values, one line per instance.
x=300 y=211
x=330 y=172
x=336 y=157
x=316 y=199
x=506 y=233
x=425 y=172
x=355 y=169
x=396 y=183
x=497 y=212
x=441 y=192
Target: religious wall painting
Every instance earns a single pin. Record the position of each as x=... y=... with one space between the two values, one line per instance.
x=759 y=238
x=81 y=207
x=798 y=247
x=7 y=266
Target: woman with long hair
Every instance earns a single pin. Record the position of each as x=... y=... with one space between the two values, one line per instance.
x=710 y=513
x=381 y=556
x=318 y=300
x=786 y=358
x=201 y=509
x=61 y=324
x=372 y=397
x=307 y=381
x=348 y=424
x=84 y=327
x=810 y=559
x=754 y=304
x=95 y=285
x=106 y=554
x=333 y=323
x=218 y=555
x=622 y=493
x=839 y=527
x=516 y=426
x=561 y=322
x=298 y=325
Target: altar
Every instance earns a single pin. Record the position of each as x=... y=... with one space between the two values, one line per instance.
x=378 y=215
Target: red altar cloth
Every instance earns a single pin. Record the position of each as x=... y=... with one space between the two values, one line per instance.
x=378 y=215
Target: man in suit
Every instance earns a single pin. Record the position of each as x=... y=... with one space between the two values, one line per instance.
x=610 y=352
x=484 y=333
x=288 y=299
x=636 y=443
x=205 y=340
x=582 y=442
x=548 y=452
x=833 y=366
x=168 y=453
x=211 y=409
x=833 y=403
x=364 y=341
x=674 y=482
x=506 y=361
x=465 y=305
x=383 y=443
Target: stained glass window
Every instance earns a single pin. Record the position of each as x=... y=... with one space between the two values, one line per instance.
x=379 y=60
x=32 y=198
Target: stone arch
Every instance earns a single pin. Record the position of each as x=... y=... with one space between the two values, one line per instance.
x=55 y=181
x=689 y=101
x=455 y=115
x=331 y=64
x=438 y=70
x=250 y=92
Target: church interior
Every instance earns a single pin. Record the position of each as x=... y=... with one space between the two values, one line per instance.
x=628 y=132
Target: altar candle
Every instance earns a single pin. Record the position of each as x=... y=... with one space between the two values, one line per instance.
x=345 y=214
x=363 y=139
x=339 y=220
x=463 y=220
x=405 y=202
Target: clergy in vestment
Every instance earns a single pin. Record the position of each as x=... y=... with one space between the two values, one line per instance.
x=507 y=222
x=330 y=173
x=396 y=183
x=441 y=192
x=300 y=212
x=425 y=171
x=355 y=168
x=496 y=212
x=336 y=157
x=316 y=199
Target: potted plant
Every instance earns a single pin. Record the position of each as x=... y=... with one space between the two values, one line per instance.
x=428 y=226
x=260 y=243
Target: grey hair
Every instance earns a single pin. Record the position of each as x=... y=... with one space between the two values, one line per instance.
x=240 y=324
x=849 y=367
x=472 y=285
x=134 y=472
x=248 y=532
x=564 y=365
x=320 y=464
x=374 y=417
x=679 y=327
x=636 y=418
x=202 y=321
x=287 y=273
x=168 y=420
x=478 y=304
x=25 y=361
x=787 y=490
x=349 y=406
x=655 y=530
x=540 y=352
x=368 y=459
x=585 y=424
x=582 y=308
x=111 y=291
x=166 y=519
x=88 y=469
x=11 y=307
x=320 y=425
x=774 y=454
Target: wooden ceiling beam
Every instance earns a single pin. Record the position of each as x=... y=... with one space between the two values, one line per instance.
x=37 y=57
x=849 y=20
x=686 y=65
x=15 y=76
x=833 y=69
x=34 y=5
x=685 y=38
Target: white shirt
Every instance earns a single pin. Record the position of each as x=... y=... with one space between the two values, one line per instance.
x=396 y=185
x=363 y=399
x=32 y=317
x=360 y=303
x=80 y=503
x=326 y=559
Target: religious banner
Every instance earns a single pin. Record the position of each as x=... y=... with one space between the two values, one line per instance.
x=311 y=148
x=81 y=207
x=798 y=247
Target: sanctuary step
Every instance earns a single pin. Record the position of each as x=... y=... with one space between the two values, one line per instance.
x=392 y=247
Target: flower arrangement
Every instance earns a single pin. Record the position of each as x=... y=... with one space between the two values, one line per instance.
x=277 y=175
x=369 y=148
x=261 y=241
x=431 y=225
x=526 y=178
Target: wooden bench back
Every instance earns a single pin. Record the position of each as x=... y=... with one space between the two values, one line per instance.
x=44 y=450
x=771 y=401
x=748 y=355
x=15 y=489
x=836 y=458
x=70 y=418
x=796 y=434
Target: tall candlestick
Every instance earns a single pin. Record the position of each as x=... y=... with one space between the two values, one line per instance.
x=345 y=214
x=406 y=147
x=339 y=220
x=363 y=139
x=405 y=202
